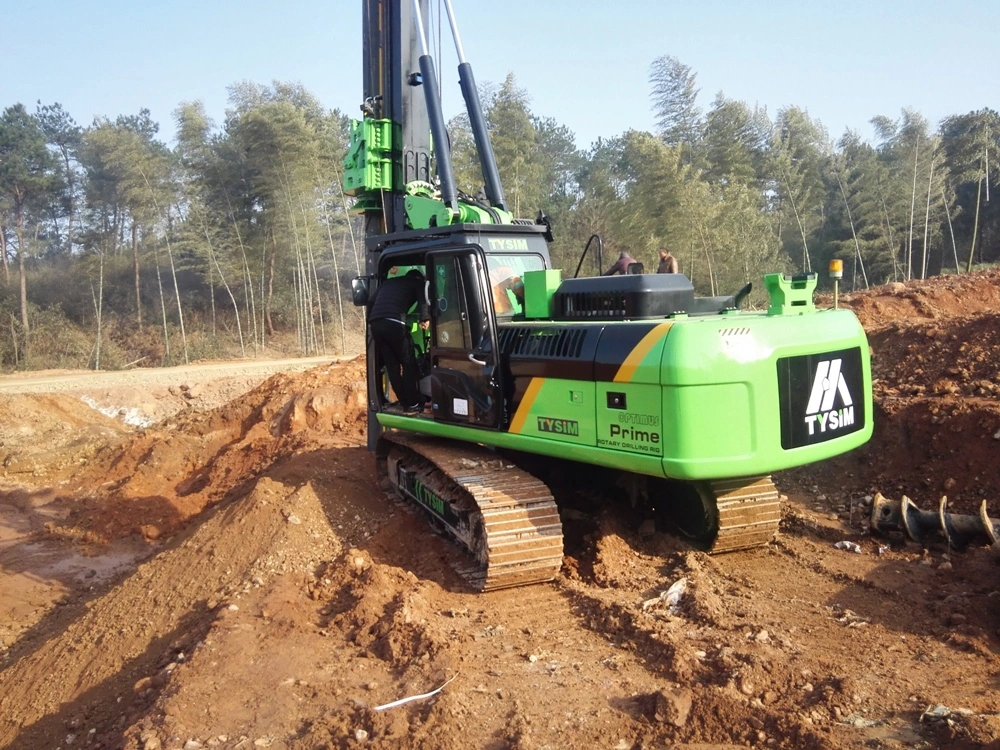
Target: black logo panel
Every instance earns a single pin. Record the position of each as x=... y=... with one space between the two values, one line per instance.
x=821 y=397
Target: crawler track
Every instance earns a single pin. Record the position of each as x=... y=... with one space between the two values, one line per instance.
x=508 y=522
x=503 y=516
x=748 y=513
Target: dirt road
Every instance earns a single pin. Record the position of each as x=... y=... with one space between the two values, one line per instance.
x=234 y=577
x=77 y=380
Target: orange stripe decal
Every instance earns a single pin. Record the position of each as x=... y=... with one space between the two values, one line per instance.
x=521 y=415
x=627 y=371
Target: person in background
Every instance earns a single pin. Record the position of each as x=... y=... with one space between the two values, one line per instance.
x=387 y=322
x=668 y=263
x=621 y=265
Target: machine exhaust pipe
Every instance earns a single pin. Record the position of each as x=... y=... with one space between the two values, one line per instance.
x=958 y=530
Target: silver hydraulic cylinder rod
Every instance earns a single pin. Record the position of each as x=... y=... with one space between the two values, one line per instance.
x=442 y=145
x=473 y=105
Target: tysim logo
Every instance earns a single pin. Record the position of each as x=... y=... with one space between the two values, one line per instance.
x=827 y=385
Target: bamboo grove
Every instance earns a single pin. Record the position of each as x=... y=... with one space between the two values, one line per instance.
x=237 y=240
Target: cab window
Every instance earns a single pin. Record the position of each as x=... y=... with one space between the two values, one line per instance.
x=451 y=320
x=506 y=272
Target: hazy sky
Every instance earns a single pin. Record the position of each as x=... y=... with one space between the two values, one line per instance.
x=583 y=62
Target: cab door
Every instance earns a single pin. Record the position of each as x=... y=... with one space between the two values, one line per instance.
x=465 y=379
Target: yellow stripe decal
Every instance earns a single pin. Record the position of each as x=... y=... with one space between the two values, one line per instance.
x=627 y=371
x=521 y=415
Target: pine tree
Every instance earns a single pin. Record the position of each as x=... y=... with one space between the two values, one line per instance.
x=26 y=179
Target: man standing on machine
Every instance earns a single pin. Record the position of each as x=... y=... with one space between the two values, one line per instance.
x=668 y=263
x=391 y=333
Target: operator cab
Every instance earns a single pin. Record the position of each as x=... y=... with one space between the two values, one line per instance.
x=473 y=279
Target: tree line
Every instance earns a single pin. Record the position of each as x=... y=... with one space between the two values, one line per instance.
x=735 y=193
x=240 y=227
x=117 y=249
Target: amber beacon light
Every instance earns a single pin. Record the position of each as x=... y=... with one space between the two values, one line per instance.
x=836 y=273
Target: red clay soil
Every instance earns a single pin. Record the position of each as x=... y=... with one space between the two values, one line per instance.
x=156 y=480
x=273 y=596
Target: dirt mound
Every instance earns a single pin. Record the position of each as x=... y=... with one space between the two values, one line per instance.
x=43 y=433
x=919 y=301
x=154 y=481
x=956 y=357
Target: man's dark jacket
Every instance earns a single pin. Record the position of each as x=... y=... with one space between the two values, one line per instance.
x=394 y=298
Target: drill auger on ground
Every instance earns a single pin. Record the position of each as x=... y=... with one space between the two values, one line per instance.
x=958 y=530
